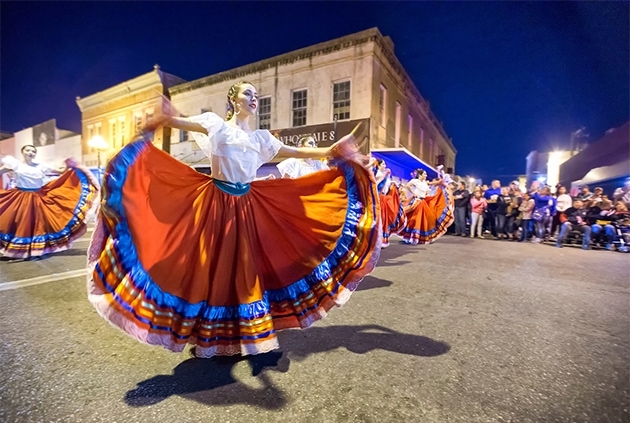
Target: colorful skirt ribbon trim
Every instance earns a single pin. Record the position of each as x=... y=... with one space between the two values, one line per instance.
x=47 y=220
x=429 y=218
x=176 y=260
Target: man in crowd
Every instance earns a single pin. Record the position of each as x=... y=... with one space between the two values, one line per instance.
x=462 y=201
x=491 y=195
x=576 y=220
x=623 y=193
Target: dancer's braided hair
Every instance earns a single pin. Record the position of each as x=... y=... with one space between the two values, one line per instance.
x=232 y=93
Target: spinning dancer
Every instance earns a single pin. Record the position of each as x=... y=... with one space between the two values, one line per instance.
x=393 y=219
x=225 y=262
x=38 y=218
x=428 y=217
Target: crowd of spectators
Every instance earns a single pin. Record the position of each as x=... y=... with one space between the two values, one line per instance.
x=590 y=218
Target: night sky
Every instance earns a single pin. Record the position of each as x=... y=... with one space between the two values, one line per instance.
x=504 y=77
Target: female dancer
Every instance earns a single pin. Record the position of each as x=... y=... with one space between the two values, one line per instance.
x=225 y=262
x=37 y=218
x=393 y=218
x=294 y=167
x=428 y=217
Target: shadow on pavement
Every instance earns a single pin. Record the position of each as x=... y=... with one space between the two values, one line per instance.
x=370 y=282
x=211 y=382
x=71 y=252
x=199 y=380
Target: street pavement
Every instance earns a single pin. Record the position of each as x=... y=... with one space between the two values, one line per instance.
x=464 y=330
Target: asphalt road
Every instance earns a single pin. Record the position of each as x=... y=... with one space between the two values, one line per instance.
x=459 y=331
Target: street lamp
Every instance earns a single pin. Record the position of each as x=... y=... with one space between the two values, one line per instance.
x=99 y=144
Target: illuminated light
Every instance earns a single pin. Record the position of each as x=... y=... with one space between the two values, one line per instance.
x=98 y=143
x=472 y=180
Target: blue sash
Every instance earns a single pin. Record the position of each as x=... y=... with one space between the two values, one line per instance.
x=232 y=188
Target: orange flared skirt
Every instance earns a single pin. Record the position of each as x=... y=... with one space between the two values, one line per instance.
x=38 y=222
x=176 y=260
x=393 y=218
x=428 y=219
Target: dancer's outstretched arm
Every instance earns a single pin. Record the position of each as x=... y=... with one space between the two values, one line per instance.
x=322 y=152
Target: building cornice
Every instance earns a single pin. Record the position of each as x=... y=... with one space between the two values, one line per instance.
x=338 y=44
x=306 y=53
x=133 y=86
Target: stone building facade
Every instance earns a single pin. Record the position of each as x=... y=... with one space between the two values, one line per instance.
x=325 y=89
x=117 y=113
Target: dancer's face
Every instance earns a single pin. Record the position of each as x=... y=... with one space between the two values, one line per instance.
x=246 y=101
x=309 y=142
x=29 y=153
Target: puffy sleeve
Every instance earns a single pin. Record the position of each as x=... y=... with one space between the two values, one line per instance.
x=287 y=167
x=269 y=146
x=10 y=162
x=212 y=123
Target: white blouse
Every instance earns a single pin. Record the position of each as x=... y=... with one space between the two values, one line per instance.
x=563 y=202
x=235 y=155
x=295 y=168
x=419 y=188
x=27 y=176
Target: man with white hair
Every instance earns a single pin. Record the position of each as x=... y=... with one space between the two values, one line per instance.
x=623 y=193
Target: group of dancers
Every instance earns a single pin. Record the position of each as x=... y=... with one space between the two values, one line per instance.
x=222 y=262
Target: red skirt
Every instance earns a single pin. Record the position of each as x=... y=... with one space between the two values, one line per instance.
x=176 y=260
x=34 y=223
x=428 y=219
x=393 y=218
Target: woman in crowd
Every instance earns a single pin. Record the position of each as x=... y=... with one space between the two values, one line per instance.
x=563 y=203
x=428 y=217
x=295 y=167
x=526 y=209
x=544 y=209
x=225 y=262
x=478 y=206
x=38 y=218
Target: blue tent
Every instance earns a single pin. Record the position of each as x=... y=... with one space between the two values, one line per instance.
x=402 y=162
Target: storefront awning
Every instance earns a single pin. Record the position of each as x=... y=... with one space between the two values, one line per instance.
x=605 y=173
x=402 y=162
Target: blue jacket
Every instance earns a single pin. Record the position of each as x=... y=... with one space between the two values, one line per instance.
x=541 y=201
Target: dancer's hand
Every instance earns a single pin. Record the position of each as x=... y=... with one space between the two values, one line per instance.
x=349 y=144
x=71 y=162
x=164 y=112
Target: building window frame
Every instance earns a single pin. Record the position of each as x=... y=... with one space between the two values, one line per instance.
x=299 y=107
x=342 y=99
x=121 y=128
x=382 y=105
x=112 y=132
x=410 y=130
x=264 y=112
x=397 y=124
x=148 y=115
x=137 y=122
x=184 y=136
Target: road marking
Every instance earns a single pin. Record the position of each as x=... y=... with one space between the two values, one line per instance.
x=5 y=286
